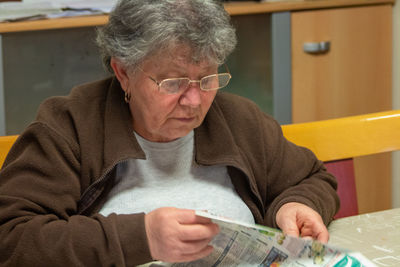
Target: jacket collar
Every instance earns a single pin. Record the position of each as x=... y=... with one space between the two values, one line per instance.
x=214 y=141
x=119 y=140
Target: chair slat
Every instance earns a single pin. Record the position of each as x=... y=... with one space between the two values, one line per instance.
x=6 y=143
x=344 y=172
x=348 y=137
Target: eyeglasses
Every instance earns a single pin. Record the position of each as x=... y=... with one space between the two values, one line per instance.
x=179 y=85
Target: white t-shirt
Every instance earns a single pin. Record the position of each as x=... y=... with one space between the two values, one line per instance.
x=169 y=177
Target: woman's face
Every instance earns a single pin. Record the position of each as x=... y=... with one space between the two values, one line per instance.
x=160 y=117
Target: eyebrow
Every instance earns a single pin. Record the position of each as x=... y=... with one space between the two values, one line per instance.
x=175 y=71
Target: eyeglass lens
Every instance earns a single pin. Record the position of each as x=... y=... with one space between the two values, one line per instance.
x=212 y=82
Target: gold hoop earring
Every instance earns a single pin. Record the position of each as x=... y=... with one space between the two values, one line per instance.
x=127 y=97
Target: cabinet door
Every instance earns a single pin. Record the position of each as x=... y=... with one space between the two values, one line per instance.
x=353 y=77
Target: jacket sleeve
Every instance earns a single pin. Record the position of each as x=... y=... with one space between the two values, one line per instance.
x=277 y=170
x=39 y=225
x=294 y=174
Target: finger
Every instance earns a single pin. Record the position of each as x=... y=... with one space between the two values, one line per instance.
x=308 y=231
x=307 y=238
x=203 y=220
x=290 y=228
x=318 y=232
x=193 y=232
x=187 y=216
x=323 y=237
x=291 y=232
x=192 y=247
x=196 y=256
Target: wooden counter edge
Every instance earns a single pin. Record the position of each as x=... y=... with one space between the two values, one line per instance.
x=244 y=8
x=49 y=24
x=233 y=8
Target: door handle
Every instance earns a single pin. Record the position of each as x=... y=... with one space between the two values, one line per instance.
x=317 y=47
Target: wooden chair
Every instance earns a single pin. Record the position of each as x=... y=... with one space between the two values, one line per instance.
x=5 y=144
x=338 y=141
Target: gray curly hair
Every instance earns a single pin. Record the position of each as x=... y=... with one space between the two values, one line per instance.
x=140 y=28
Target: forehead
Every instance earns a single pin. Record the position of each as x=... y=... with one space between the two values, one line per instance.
x=179 y=56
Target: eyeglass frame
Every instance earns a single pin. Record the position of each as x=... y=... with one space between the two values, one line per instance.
x=190 y=81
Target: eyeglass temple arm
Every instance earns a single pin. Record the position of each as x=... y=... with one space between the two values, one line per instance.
x=226 y=68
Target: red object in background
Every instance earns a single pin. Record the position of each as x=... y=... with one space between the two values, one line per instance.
x=344 y=172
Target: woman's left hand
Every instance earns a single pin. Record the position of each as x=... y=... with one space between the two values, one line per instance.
x=297 y=219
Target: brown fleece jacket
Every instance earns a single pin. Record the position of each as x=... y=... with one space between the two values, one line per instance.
x=59 y=171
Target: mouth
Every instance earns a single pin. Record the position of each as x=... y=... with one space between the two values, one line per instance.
x=185 y=120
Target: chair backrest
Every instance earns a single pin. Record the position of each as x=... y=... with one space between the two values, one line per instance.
x=338 y=141
x=6 y=143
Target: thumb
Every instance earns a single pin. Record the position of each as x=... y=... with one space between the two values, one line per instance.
x=186 y=216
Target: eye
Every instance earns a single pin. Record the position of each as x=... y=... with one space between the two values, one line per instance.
x=172 y=86
x=209 y=82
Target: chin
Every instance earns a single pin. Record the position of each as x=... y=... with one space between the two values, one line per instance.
x=176 y=131
x=178 y=134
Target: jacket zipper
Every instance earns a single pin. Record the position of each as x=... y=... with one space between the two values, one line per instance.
x=93 y=192
x=252 y=189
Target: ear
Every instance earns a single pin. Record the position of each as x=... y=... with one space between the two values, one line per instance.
x=121 y=73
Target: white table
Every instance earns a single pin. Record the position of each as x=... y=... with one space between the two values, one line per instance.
x=376 y=235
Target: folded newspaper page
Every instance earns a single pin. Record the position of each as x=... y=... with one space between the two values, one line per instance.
x=241 y=244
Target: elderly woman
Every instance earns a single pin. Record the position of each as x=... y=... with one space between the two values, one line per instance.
x=111 y=174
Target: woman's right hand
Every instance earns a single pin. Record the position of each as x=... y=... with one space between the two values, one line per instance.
x=179 y=235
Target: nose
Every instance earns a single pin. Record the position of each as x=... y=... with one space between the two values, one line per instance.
x=191 y=97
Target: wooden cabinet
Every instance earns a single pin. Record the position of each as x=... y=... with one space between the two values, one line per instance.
x=353 y=77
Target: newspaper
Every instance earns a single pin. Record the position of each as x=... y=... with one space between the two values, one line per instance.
x=241 y=244
x=16 y=11
x=42 y=9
